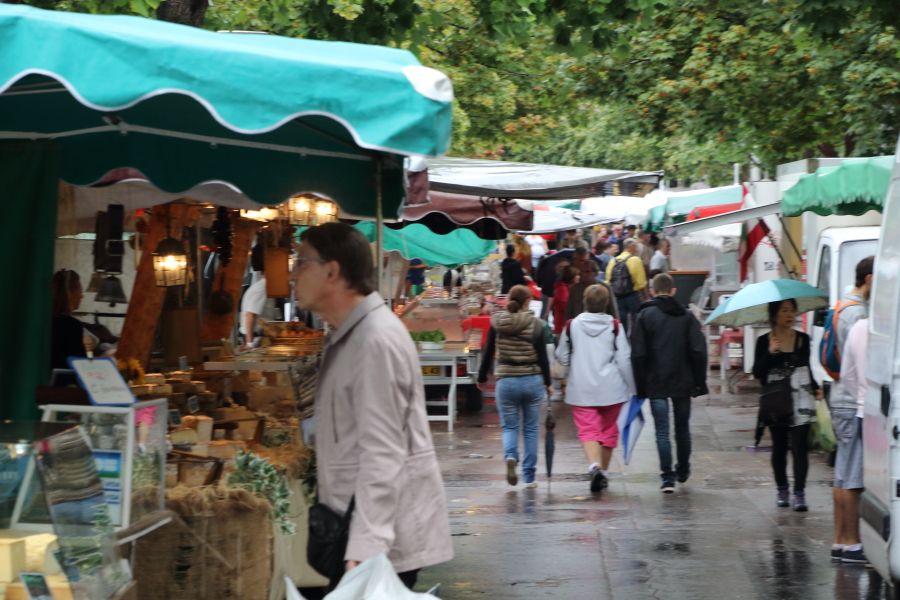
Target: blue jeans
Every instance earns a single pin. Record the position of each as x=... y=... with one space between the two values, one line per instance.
x=519 y=400
x=682 y=408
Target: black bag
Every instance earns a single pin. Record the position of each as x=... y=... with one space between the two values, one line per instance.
x=328 y=536
x=776 y=404
x=621 y=283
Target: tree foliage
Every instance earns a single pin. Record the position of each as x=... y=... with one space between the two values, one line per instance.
x=689 y=86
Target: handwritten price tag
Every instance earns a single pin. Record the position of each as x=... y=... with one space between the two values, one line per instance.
x=102 y=381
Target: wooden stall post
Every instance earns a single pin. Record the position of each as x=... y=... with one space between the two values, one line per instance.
x=216 y=327
x=145 y=307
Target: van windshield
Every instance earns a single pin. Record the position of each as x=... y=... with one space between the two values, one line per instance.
x=852 y=253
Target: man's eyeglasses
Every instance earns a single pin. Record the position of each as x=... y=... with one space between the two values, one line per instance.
x=302 y=260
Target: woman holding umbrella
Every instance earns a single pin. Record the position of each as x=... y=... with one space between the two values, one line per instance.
x=781 y=363
x=783 y=355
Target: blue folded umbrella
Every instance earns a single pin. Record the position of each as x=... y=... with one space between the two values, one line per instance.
x=631 y=422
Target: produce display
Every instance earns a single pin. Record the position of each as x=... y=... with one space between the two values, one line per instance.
x=434 y=335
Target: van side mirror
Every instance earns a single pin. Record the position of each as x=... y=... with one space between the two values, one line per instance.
x=819 y=316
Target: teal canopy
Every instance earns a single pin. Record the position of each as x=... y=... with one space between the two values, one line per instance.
x=855 y=187
x=459 y=247
x=274 y=116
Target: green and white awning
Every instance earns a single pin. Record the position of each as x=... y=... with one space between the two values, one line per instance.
x=274 y=116
x=855 y=187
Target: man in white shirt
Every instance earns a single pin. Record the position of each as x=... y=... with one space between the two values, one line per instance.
x=853 y=380
x=252 y=305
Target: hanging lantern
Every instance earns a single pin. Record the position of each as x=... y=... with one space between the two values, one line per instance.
x=326 y=212
x=170 y=263
x=300 y=210
x=308 y=211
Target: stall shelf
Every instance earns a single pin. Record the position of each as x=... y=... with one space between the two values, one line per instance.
x=68 y=499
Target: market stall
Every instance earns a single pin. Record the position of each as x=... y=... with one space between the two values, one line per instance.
x=65 y=118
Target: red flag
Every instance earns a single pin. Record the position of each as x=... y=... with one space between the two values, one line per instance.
x=750 y=236
x=750 y=240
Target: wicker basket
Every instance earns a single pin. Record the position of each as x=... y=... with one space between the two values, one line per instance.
x=220 y=548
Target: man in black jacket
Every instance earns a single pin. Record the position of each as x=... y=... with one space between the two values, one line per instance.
x=668 y=354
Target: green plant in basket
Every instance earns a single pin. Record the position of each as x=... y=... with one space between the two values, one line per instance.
x=257 y=475
x=435 y=335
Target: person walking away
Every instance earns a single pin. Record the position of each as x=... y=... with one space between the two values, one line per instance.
x=511 y=272
x=584 y=263
x=587 y=278
x=538 y=249
x=523 y=253
x=595 y=348
x=628 y=279
x=568 y=276
x=660 y=261
x=668 y=354
x=523 y=379
x=848 y=484
x=784 y=353
x=372 y=439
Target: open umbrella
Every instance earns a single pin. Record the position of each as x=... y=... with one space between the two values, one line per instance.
x=750 y=304
x=631 y=422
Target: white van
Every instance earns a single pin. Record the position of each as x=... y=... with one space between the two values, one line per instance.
x=880 y=504
x=833 y=270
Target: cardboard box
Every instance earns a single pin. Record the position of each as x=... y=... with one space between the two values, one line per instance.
x=12 y=559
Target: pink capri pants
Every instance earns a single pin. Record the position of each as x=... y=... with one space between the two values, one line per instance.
x=598 y=424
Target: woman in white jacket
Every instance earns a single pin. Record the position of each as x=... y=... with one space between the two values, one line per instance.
x=595 y=348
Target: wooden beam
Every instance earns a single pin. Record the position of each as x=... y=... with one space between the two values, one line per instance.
x=216 y=327
x=146 y=302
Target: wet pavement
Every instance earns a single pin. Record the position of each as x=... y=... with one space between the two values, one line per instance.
x=719 y=536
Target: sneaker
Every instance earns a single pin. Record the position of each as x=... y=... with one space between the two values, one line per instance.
x=667 y=487
x=837 y=554
x=784 y=498
x=511 y=477
x=530 y=485
x=682 y=475
x=598 y=480
x=799 y=504
x=857 y=557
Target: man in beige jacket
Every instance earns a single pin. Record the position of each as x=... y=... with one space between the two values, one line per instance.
x=372 y=437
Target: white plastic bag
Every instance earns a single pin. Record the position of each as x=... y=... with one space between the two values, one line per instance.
x=374 y=579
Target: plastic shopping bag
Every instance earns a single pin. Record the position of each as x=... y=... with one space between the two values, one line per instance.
x=821 y=434
x=374 y=579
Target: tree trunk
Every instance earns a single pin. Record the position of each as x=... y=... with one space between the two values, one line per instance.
x=186 y=12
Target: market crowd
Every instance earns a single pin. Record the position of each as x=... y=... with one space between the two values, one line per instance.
x=610 y=330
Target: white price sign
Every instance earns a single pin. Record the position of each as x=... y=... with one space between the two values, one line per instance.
x=102 y=381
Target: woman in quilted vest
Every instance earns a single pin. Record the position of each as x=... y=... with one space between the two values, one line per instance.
x=523 y=378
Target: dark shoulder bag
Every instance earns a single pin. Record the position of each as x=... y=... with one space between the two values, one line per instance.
x=329 y=533
x=776 y=401
x=776 y=404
